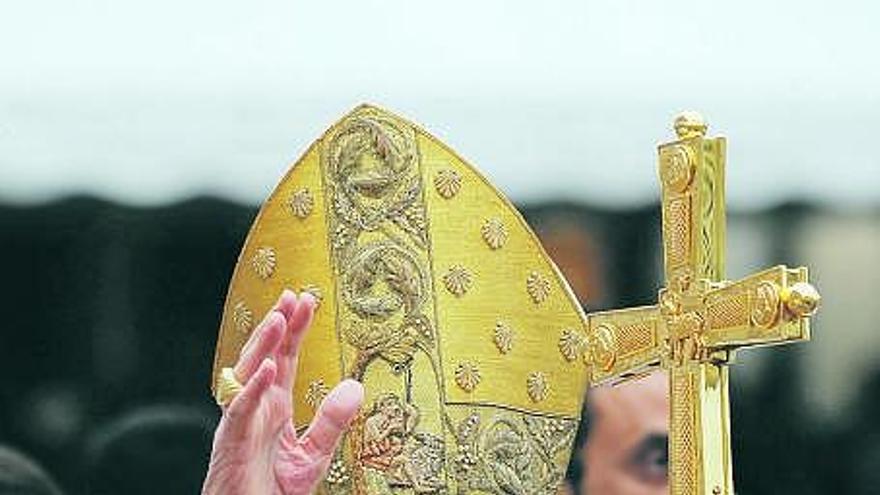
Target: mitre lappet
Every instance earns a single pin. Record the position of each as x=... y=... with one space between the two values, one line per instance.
x=434 y=292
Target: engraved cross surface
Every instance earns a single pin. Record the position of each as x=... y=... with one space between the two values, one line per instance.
x=700 y=318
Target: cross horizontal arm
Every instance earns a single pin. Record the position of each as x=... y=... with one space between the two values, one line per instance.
x=624 y=343
x=767 y=308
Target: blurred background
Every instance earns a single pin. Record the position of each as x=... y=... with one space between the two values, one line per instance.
x=137 y=140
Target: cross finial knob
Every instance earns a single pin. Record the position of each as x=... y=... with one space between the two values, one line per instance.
x=802 y=299
x=689 y=124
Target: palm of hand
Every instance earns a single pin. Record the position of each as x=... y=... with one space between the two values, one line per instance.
x=256 y=447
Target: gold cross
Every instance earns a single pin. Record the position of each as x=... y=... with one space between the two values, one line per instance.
x=700 y=318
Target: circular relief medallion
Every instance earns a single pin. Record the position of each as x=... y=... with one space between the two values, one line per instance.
x=374 y=286
x=765 y=304
x=603 y=347
x=677 y=167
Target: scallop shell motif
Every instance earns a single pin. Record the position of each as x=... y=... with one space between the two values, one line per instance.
x=447 y=182
x=538 y=287
x=458 y=280
x=316 y=392
x=503 y=337
x=242 y=318
x=537 y=386
x=494 y=233
x=467 y=376
x=315 y=291
x=263 y=262
x=571 y=344
x=301 y=203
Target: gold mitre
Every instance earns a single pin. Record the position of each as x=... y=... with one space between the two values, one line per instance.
x=435 y=293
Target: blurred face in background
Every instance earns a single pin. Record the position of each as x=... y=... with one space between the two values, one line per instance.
x=625 y=452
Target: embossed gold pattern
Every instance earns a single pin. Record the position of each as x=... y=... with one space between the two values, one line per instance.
x=765 y=304
x=538 y=287
x=494 y=233
x=263 y=262
x=467 y=376
x=571 y=344
x=634 y=337
x=242 y=318
x=447 y=182
x=301 y=203
x=512 y=454
x=503 y=337
x=676 y=231
x=677 y=167
x=603 y=347
x=684 y=463
x=537 y=386
x=729 y=312
x=458 y=280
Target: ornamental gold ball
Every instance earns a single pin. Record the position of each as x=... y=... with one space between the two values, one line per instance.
x=801 y=299
x=690 y=124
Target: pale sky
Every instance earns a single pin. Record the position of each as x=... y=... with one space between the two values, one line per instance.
x=155 y=101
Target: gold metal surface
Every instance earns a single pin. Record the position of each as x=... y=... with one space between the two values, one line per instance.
x=472 y=348
x=700 y=318
x=801 y=299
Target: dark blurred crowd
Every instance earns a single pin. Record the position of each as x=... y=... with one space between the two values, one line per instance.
x=110 y=316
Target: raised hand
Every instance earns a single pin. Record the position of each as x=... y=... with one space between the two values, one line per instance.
x=256 y=448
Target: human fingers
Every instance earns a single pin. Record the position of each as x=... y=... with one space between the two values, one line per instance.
x=268 y=337
x=332 y=419
x=288 y=351
x=246 y=402
x=285 y=305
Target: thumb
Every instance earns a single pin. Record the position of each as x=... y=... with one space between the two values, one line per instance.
x=335 y=414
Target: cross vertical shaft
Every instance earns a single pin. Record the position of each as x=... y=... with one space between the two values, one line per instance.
x=692 y=200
